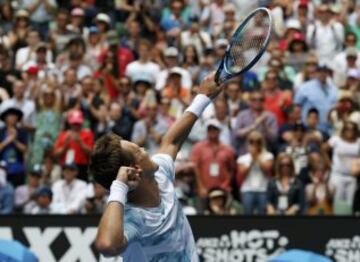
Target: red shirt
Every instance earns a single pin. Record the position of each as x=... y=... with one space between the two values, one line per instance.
x=79 y=156
x=215 y=163
x=124 y=57
x=276 y=105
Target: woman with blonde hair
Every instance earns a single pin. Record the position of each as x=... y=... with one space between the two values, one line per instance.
x=285 y=193
x=254 y=169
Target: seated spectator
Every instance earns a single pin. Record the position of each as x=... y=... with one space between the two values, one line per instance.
x=69 y=193
x=234 y=99
x=42 y=203
x=307 y=72
x=51 y=170
x=213 y=160
x=345 y=149
x=285 y=193
x=96 y=199
x=188 y=209
x=293 y=116
x=24 y=194
x=254 y=169
x=221 y=114
x=297 y=52
x=13 y=145
x=6 y=192
x=297 y=147
x=319 y=193
x=75 y=145
x=220 y=202
x=254 y=118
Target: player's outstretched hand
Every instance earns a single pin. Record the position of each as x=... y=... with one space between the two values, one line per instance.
x=209 y=87
x=130 y=176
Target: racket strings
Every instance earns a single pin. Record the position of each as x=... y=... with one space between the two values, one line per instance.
x=249 y=42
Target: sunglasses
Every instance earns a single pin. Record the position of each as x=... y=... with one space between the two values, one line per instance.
x=255 y=142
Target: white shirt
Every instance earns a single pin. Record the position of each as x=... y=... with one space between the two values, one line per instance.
x=327 y=40
x=343 y=154
x=187 y=38
x=137 y=70
x=340 y=68
x=69 y=197
x=25 y=54
x=256 y=180
x=186 y=81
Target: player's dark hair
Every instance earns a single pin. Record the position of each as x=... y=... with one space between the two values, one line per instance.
x=106 y=159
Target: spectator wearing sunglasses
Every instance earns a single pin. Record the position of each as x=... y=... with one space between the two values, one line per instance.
x=254 y=169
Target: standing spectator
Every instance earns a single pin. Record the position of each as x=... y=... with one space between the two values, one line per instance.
x=307 y=72
x=276 y=101
x=60 y=35
x=201 y=40
x=47 y=125
x=28 y=53
x=17 y=37
x=325 y=35
x=234 y=99
x=171 y=55
x=254 y=118
x=51 y=171
x=254 y=169
x=317 y=93
x=6 y=192
x=120 y=122
x=75 y=145
x=345 y=149
x=344 y=62
x=41 y=13
x=69 y=193
x=221 y=114
x=143 y=66
x=13 y=145
x=27 y=106
x=214 y=161
x=285 y=193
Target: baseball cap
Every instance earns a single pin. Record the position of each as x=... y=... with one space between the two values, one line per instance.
x=70 y=166
x=93 y=30
x=217 y=193
x=293 y=24
x=77 y=12
x=353 y=73
x=101 y=17
x=351 y=52
x=176 y=71
x=76 y=117
x=214 y=123
x=22 y=13
x=221 y=42
x=171 y=51
x=44 y=191
x=36 y=170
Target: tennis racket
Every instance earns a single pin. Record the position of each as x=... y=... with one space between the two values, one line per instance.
x=246 y=46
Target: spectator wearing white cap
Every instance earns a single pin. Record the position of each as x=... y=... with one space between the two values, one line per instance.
x=343 y=63
x=325 y=35
x=103 y=24
x=41 y=13
x=214 y=161
x=195 y=36
x=171 y=55
x=220 y=48
x=143 y=66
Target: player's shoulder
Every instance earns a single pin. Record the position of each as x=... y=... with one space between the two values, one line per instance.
x=166 y=164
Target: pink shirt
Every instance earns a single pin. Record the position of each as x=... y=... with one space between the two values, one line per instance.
x=216 y=164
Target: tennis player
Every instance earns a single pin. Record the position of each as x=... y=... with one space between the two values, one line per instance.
x=143 y=220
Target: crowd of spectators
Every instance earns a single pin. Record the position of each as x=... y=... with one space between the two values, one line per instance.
x=282 y=138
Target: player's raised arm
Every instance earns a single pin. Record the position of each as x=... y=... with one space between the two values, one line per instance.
x=179 y=131
x=110 y=240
